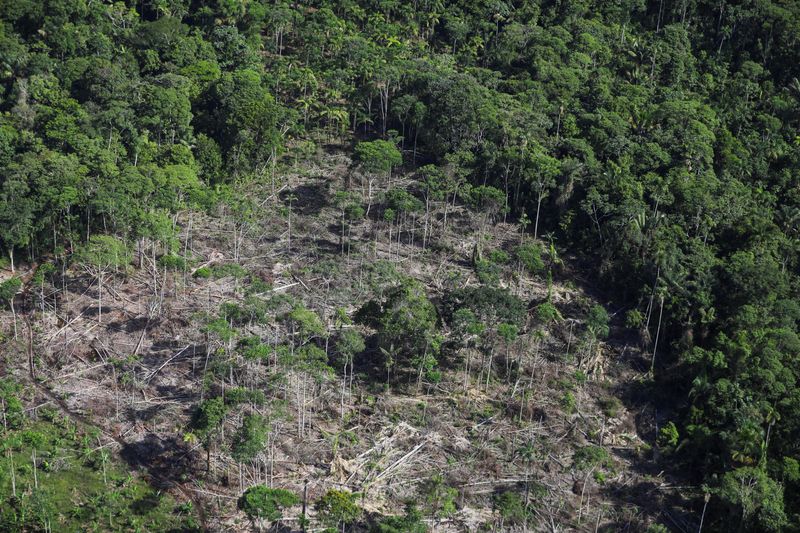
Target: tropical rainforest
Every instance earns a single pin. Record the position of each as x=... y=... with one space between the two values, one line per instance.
x=400 y=266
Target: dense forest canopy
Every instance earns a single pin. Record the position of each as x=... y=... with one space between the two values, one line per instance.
x=655 y=142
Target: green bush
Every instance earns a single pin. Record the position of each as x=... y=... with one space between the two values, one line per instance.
x=263 y=502
x=172 y=262
x=488 y=272
x=338 y=507
x=547 y=312
x=440 y=499
x=410 y=522
x=530 y=255
x=597 y=321
x=228 y=270
x=511 y=507
x=569 y=403
x=591 y=456
x=610 y=406
x=202 y=273
x=668 y=436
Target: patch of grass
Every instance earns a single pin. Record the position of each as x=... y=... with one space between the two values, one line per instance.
x=228 y=270
x=202 y=273
x=610 y=406
x=75 y=485
x=592 y=456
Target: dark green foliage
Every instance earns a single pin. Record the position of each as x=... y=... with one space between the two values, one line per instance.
x=511 y=507
x=490 y=304
x=485 y=199
x=250 y=439
x=208 y=417
x=439 y=498
x=597 y=322
x=401 y=201
x=410 y=522
x=488 y=272
x=409 y=321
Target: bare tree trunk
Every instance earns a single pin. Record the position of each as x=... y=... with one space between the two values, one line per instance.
x=14 y=314
x=538 y=208
x=100 y=298
x=658 y=331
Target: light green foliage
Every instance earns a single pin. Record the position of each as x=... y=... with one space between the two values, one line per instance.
x=252 y=348
x=349 y=343
x=668 y=435
x=203 y=273
x=530 y=255
x=305 y=323
x=755 y=500
x=592 y=456
x=634 y=318
x=11 y=408
x=338 y=507
x=219 y=328
x=568 y=402
x=378 y=157
x=242 y=395
x=103 y=253
x=96 y=489
x=172 y=262
x=547 y=312
x=9 y=289
x=263 y=502
x=507 y=332
x=226 y=270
